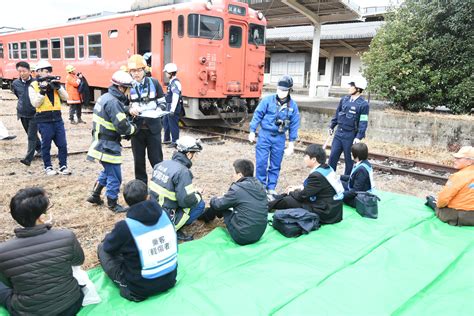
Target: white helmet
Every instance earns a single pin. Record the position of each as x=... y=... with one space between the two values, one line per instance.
x=122 y=78
x=187 y=144
x=43 y=64
x=359 y=82
x=170 y=67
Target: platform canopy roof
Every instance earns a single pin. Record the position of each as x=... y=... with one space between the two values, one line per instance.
x=304 y=12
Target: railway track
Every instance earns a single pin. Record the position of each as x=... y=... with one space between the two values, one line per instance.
x=420 y=170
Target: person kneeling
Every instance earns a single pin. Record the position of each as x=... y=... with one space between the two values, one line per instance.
x=244 y=206
x=321 y=193
x=455 y=203
x=140 y=254
x=361 y=177
x=38 y=263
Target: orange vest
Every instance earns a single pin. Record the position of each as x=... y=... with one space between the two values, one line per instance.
x=71 y=87
x=458 y=193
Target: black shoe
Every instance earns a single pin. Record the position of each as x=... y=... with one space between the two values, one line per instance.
x=208 y=215
x=25 y=162
x=166 y=142
x=73 y=122
x=183 y=237
x=94 y=198
x=80 y=121
x=171 y=145
x=114 y=206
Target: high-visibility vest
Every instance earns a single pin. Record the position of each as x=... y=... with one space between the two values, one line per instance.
x=157 y=246
x=47 y=105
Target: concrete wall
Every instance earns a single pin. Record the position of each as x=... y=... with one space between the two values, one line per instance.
x=402 y=128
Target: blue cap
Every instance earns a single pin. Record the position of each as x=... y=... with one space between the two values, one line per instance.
x=285 y=83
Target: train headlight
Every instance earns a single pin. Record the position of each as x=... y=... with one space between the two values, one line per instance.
x=260 y=15
x=209 y=5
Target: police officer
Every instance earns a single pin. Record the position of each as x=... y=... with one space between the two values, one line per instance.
x=145 y=94
x=276 y=114
x=174 y=104
x=351 y=117
x=109 y=122
x=172 y=186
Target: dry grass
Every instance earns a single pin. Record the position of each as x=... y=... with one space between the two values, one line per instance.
x=212 y=170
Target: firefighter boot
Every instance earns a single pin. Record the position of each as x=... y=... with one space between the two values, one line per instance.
x=94 y=198
x=114 y=206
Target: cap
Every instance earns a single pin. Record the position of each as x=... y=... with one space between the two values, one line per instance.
x=465 y=152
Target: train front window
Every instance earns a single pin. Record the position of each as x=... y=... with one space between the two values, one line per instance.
x=235 y=36
x=205 y=26
x=256 y=34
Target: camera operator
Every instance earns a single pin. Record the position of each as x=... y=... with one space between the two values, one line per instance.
x=46 y=94
x=276 y=114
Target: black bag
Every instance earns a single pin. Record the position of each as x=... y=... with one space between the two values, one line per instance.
x=366 y=204
x=294 y=222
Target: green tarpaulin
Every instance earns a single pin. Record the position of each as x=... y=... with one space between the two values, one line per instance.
x=406 y=262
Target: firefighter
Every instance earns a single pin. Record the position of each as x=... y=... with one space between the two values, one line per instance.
x=174 y=104
x=146 y=94
x=351 y=119
x=276 y=114
x=109 y=123
x=172 y=186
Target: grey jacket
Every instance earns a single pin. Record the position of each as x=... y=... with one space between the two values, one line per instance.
x=37 y=264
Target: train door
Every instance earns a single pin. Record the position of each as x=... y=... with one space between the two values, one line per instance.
x=166 y=47
x=235 y=58
x=143 y=37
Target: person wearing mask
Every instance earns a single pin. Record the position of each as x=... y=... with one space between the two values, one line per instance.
x=276 y=114
x=74 y=100
x=455 y=202
x=146 y=94
x=108 y=124
x=174 y=104
x=26 y=112
x=45 y=95
x=351 y=119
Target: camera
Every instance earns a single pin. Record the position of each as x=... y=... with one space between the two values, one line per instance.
x=52 y=82
x=282 y=124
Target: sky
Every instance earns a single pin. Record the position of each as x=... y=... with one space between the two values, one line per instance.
x=31 y=14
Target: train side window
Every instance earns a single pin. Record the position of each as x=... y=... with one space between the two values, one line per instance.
x=113 y=33
x=181 y=26
x=94 y=44
x=205 y=26
x=15 y=50
x=80 y=44
x=33 y=50
x=69 y=47
x=44 y=53
x=55 y=48
x=23 y=50
x=10 y=51
x=256 y=34
x=235 y=36
x=1 y=50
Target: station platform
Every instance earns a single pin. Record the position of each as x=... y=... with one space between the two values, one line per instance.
x=406 y=262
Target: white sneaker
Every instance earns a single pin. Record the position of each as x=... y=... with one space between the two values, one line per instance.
x=271 y=195
x=50 y=171
x=64 y=170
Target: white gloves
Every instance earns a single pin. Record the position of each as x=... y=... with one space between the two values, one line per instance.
x=330 y=131
x=356 y=141
x=290 y=149
x=251 y=137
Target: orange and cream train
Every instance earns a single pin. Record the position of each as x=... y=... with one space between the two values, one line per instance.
x=219 y=49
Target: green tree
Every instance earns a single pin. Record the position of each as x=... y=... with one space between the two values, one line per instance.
x=424 y=56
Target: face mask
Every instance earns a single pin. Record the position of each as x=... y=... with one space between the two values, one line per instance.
x=282 y=94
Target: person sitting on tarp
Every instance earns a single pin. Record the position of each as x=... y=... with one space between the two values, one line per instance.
x=361 y=178
x=36 y=265
x=140 y=254
x=455 y=203
x=244 y=206
x=172 y=185
x=321 y=193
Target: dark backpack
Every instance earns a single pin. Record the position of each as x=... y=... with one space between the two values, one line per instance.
x=294 y=222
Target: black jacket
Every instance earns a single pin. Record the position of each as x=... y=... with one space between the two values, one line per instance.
x=120 y=242
x=358 y=181
x=318 y=196
x=248 y=199
x=38 y=265
x=24 y=107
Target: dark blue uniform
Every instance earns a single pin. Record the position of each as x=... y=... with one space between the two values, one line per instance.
x=171 y=121
x=351 y=119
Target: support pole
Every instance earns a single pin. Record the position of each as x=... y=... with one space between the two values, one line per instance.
x=315 y=60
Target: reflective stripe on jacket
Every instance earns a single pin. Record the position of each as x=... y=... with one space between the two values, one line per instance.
x=108 y=123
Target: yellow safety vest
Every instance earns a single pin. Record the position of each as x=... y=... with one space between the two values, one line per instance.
x=47 y=105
